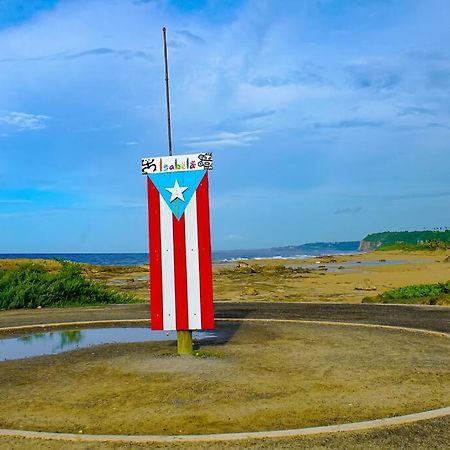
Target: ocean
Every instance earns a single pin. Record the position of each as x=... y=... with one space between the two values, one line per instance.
x=134 y=259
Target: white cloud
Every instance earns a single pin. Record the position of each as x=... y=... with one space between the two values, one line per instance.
x=224 y=139
x=24 y=121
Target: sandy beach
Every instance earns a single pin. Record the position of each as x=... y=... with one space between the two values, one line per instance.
x=341 y=278
x=334 y=278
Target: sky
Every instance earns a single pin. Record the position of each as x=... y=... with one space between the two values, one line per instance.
x=328 y=119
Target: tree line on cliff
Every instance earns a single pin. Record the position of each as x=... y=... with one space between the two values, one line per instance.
x=407 y=240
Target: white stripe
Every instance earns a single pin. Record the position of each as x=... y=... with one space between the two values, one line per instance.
x=192 y=265
x=168 y=271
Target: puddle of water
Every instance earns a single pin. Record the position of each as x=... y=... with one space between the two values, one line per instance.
x=123 y=282
x=54 y=342
x=115 y=282
x=354 y=266
x=142 y=278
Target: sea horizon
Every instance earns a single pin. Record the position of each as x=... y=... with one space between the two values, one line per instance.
x=140 y=258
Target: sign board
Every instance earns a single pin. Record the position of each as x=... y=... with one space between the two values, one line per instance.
x=181 y=293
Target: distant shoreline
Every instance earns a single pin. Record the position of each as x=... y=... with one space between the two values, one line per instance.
x=137 y=259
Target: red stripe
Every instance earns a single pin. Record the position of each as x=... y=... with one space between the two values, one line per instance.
x=179 y=256
x=204 y=255
x=154 y=220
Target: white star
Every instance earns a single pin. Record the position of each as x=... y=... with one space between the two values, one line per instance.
x=176 y=191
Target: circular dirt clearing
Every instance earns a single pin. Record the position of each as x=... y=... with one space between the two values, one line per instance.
x=266 y=376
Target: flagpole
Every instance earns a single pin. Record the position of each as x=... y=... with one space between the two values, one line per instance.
x=184 y=337
x=166 y=69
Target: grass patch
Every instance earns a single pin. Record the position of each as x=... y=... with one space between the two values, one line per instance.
x=48 y=264
x=31 y=285
x=428 y=294
x=92 y=270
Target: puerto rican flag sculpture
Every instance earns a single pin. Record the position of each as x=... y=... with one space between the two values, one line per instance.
x=181 y=293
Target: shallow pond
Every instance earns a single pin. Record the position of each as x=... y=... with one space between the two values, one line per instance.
x=355 y=266
x=53 y=342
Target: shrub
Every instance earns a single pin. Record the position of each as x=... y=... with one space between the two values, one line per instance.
x=31 y=285
x=417 y=291
x=430 y=294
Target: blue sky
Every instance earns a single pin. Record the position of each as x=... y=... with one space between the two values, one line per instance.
x=328 y=119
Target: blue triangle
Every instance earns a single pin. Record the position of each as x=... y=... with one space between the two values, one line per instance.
x=188 y=178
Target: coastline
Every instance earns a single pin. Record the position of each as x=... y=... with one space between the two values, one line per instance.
x=347 y=278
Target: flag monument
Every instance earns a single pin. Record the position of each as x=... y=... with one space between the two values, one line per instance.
x=181 y=292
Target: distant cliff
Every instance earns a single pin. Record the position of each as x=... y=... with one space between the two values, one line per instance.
x=389 y=239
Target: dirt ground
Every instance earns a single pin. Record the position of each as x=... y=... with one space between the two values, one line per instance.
x=430 y=434
x=304 y=375
x=409 y=371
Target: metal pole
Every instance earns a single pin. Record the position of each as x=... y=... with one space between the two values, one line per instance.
x=166 y=66
x=184 y=337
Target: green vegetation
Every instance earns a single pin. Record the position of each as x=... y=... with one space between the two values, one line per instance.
x=31 y=285
x=427 y=245
x=407 y=240
x=429 y=294
x=91 y=270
